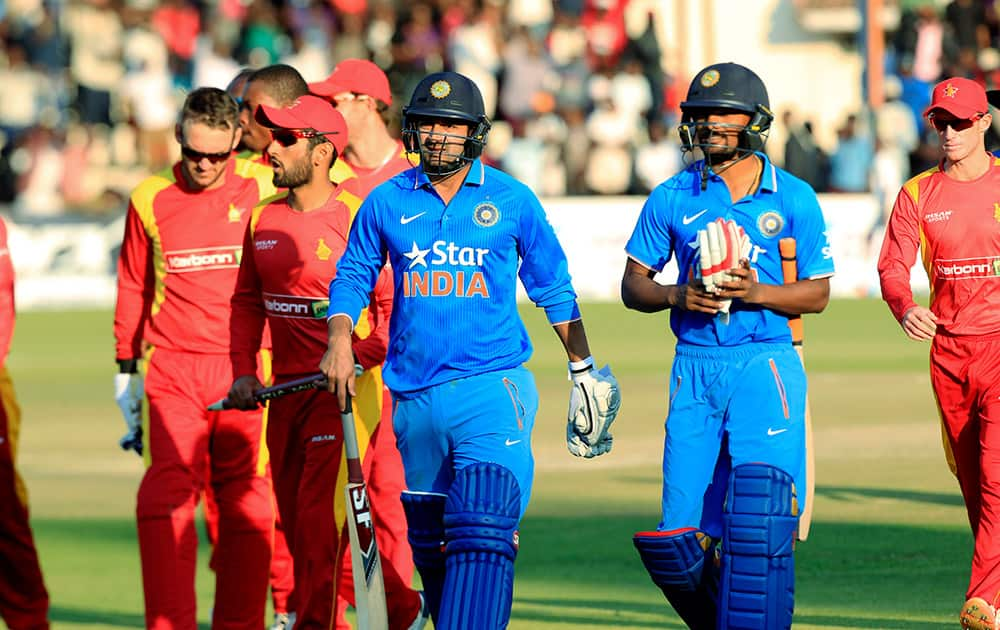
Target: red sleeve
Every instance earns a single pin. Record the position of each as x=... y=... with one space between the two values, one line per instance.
x=135 y=287
x=899 y=251
x=6 y=296
x=371 y=350
x=246 y=320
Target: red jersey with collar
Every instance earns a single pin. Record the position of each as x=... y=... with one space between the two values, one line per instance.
x=179 y=259
x=6 y=296
x=289 y=258
x=956 y=226
x=369 y=178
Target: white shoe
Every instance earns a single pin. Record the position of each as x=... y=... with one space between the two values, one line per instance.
x=283 y=621
x=423 y=615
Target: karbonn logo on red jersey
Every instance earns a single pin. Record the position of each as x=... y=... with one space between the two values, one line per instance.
x=466 y=281
x=295 y=306
x=968 y=268
x=203 y=259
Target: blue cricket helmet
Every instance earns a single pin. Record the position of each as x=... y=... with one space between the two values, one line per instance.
x=447 y=96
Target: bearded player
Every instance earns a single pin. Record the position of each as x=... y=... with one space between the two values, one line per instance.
x=291 y=249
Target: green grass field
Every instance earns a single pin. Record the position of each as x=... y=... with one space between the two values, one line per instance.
x=890 y=543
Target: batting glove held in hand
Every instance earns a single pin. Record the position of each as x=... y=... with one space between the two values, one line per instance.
x=129 y=391
x=593 y=406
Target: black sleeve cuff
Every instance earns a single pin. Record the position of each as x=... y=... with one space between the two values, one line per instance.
x=127 y=366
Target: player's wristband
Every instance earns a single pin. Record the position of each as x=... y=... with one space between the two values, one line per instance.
x=579 y=368
x=127 y=366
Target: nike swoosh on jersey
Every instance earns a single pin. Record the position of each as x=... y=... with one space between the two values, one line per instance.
x=688 y=219
x=771 y=431
x=510 y=442
x=405 y=219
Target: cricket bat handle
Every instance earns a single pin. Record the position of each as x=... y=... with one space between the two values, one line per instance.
x=313 y=381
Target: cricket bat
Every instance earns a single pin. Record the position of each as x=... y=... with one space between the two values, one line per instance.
x=313 y=381
x=369 y=585
x=789 y=272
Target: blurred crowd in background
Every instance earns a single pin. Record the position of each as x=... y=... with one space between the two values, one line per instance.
x=579 y=90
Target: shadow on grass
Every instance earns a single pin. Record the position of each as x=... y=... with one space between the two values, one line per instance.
x=584 y=571
x=578 y=569
x=59 y=615
x=85 y=617
x=846 y=493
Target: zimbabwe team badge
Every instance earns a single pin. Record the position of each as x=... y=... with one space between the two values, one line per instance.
x=486 y=214
x=323 y=251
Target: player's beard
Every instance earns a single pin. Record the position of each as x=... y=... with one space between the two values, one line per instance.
x=440 y=160
x=294 y=176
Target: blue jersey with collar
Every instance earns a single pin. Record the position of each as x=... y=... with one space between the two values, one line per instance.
x=455 y=269
x=782 y=206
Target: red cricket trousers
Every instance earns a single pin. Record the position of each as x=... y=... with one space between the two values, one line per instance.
x=305 y=441
x=386 y=482
x=282 y=579
x=965 y=374
x=24 y=602
x=182 y=436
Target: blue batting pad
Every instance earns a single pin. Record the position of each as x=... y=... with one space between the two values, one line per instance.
x=425 y=532
x=681 y=562
x=480 y=520
x=758 y=565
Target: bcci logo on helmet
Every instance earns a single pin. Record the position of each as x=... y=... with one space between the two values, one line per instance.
x=486 y=214
x=710 y=78
x=440 y=89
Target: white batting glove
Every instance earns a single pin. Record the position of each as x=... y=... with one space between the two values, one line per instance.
x=721 y=245
x=129 y=391
x=593 y=406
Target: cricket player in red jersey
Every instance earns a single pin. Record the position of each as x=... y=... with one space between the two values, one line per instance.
x=251 y=147
x=291 y=249
x=178 y=264
x=24 y=602
x=952 y=214
x=359 y=90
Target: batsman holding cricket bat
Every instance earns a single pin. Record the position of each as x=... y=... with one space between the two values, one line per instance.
x=292 y=248
x=734 y=463
x=458 y=234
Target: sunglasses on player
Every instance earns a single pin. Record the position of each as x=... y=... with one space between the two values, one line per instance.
x=288 y=137
x=958 y=124
x=198 y=156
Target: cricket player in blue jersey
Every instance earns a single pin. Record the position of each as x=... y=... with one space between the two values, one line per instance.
x=734 y=452
x=458 y=234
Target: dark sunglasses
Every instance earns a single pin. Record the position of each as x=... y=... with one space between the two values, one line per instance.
x=958 y=124
x=288 y=137
x=198 y=156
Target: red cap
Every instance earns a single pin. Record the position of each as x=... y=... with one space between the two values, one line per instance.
x=307 y=112
x=960 y=97
x=359 y=76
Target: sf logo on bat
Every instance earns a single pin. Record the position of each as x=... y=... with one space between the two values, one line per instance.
x=366 y=534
